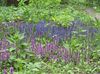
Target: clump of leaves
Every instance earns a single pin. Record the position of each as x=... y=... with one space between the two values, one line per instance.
x=18 y=50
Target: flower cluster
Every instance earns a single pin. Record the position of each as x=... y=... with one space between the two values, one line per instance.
x=11 y=70
x=51 y=30
x=4 y=54
x=50 y=51
x=46 y=50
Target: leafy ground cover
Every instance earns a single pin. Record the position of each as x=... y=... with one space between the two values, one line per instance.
x=48 y=37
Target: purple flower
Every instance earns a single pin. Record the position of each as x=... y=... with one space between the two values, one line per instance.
x=54 y=57
x=4 y=56
x=5 y=71
x=33 y=43
x=56 y=39
x=41 y=28
x=11 y=70
x=49 y=46
x=39 y=49
x=64 y=54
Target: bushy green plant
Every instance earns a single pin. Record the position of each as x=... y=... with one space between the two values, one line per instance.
x=2 y=2
x=18 y=51
x=32 y=14
x=44 y=3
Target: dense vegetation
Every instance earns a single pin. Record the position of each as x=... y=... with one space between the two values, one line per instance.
x=49 y=37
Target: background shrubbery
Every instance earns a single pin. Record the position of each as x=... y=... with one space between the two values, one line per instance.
x=43 y=10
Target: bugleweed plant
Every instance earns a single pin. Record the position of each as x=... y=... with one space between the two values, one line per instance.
x=47 y=48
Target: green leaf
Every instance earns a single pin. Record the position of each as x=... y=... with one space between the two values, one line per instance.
x=11 y=49
x=20 y=60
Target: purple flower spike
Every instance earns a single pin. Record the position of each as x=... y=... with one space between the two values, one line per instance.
x=11 y=70
x=40 y=49
x=33 y=44
x=49 y=46
x=4 y=56
x=5 y=71
x=55 y=58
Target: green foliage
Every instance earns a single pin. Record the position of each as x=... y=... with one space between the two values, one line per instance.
x=2 y=2
x=93 y=2
x=44 y=68
x=82 y=2
x=32 y=14
x=77 y=1
x=95 y=55
x=21 y=2
x=18 y=51
x=44 y=3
